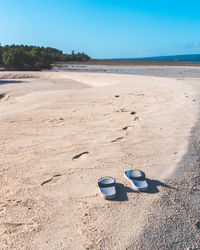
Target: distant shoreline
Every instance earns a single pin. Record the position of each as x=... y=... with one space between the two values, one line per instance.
x=111 y=62
x=106 y=66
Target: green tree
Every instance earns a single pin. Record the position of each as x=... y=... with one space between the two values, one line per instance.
x=14 y=58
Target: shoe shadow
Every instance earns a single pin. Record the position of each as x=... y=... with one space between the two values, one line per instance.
x=122 y=191
x=154 y=184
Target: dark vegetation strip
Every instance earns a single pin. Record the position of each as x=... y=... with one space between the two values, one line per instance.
x=24 y=57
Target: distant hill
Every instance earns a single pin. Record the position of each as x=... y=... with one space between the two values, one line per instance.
x=177 y=58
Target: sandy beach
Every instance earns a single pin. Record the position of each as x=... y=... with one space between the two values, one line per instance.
x=61 y=131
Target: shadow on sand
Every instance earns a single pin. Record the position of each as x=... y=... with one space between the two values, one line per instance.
x=2 y=96
x=122 y=192
x=9 y=82
x=153 y=189
x=154 y=184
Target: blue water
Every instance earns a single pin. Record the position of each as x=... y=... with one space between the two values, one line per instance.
x=195 y=58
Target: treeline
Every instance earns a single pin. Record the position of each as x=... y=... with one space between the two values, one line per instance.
x=24 y=57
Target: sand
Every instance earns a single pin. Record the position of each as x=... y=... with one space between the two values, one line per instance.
x=49 y=197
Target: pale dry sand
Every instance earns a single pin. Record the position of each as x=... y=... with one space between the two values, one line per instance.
x=50 y=200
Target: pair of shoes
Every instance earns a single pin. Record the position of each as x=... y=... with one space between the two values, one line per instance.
x=135 y=177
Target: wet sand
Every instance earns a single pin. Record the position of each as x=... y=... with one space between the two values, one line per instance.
x=50 y=198
x=176 y=70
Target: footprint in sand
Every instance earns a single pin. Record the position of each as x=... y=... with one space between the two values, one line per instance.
x=127 y=127
x=188 y=97
x=119 y=138
x=45 y=182
x=123 y=110
x=4 y=97
x=106 y=114
x=79 y=155
x=137 y=118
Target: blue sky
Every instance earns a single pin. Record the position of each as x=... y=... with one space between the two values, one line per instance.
x=104 y=28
